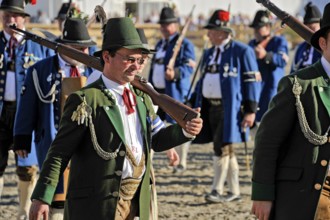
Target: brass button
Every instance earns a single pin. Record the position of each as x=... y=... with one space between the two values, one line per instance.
x=317 y=186
x=324 y=163
x=115 y=194
x=118 y=172
x=1 y=97
x=2 y=81
x=122 y=153
x=1 y=89
x=3 y=73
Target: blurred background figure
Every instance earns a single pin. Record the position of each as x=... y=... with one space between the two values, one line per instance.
x=306 y=54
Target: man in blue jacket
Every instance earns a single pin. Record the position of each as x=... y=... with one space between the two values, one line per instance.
x=41 y=101
x=228 y=93
x=272 y=57
x=16 y=55
x=305 y=53
x=173 y=82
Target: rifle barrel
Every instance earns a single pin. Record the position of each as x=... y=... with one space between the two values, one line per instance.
x=178 y=111
x=296 y=25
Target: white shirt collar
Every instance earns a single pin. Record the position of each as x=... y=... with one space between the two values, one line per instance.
x=66 y=66
x=18 y=37
x=223 y=44
x=326 y=65
x=112 y=85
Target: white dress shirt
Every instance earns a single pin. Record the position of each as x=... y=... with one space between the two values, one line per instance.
x=211 y=83
x=10 y=88
x=132 y=126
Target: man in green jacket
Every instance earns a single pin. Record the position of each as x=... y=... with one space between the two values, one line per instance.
x=292 y=148
x=106 y=132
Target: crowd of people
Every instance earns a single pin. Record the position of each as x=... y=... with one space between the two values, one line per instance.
x=93 y=144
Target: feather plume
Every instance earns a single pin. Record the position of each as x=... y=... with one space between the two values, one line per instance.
x=101 y=16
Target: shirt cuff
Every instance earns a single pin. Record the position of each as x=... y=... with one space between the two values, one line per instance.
x=187 y=135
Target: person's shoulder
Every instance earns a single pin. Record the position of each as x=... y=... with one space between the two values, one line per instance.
x=307 y=74
x=187 y=41
x=46 y=63
x=279 y=39
x=240 y=46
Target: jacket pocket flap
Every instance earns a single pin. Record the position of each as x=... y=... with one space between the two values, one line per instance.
x=289 y=173
x=80 y=193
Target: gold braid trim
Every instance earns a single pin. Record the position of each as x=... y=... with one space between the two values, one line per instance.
x=128 y=188
x=83 y=115
x=307 y=131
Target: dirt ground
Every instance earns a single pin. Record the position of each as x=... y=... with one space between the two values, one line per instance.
x=180 y=196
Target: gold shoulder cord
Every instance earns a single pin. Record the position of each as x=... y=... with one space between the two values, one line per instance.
x=307 y=131
x=83 y=115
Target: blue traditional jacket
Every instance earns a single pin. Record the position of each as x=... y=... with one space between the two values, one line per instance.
x=302 y=55
x=39 y=113
x=177 y=88
x=272 y=69
x=26 y=54
x=240 y=87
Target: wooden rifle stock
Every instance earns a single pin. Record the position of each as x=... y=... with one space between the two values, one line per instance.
x=179 y=41
x=264 y=42
x=247 y=157
x=178 y=111
x=301 y=29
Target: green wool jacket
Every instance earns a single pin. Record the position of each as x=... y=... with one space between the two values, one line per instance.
x=94 y=182
x=288 y=169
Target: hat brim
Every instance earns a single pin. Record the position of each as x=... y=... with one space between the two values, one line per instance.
x=131 y=47
x=315 y=37
x=168 y=21
x=217 y=28
x=87 y=43
x=149 y=51
x=14 y=10
x=312 y=20
x=259 y=25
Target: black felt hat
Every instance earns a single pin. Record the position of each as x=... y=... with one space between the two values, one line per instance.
x=219 y=21
x=120 y=32
x=312 y=15
x=325 y=25
x=261 y=19
x=14 y=6
x=75 y=33
x=144 y=41
x=62 y=13
x=167 y=16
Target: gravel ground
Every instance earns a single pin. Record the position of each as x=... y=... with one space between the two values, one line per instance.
x=180 y=196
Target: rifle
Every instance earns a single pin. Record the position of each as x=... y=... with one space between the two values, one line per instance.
x=196 y=71
x=301 y=29
x=247 y=158
x=178 y=111
x=178 y=43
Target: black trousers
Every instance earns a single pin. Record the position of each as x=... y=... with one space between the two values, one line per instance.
x=216 y=121
x=6 y=133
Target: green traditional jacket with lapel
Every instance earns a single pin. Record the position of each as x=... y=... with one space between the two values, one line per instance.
x=288 y=169
x=94 y=182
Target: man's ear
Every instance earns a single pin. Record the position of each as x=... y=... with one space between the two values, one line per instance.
x=106 y=56
x=323 y=43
